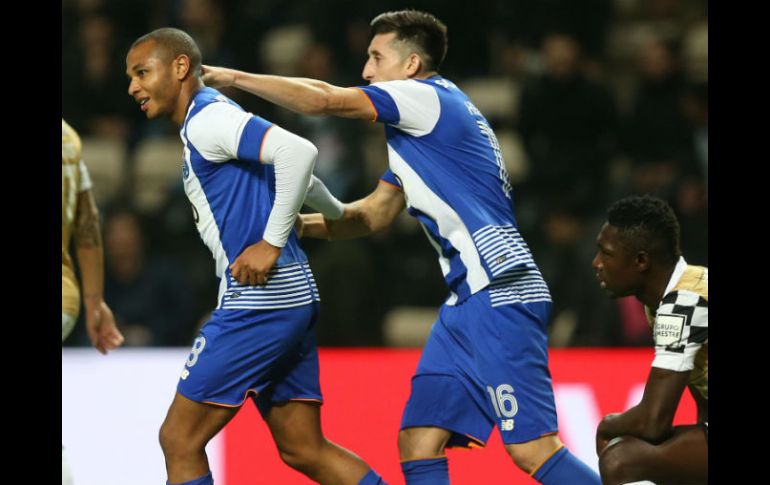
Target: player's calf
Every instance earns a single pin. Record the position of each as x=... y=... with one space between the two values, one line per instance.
x=550 y=463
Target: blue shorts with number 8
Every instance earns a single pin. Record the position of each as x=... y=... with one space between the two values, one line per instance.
x=268 y=354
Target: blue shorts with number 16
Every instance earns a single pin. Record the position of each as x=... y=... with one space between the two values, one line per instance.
x=485 y=366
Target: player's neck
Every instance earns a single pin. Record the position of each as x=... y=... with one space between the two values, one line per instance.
x=425 y=75
x=657 y=282
x=183 y=102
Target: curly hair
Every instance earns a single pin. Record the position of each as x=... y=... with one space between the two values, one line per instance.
x=647 y=223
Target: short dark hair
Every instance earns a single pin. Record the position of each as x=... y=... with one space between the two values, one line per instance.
x=647 y=223
x=172 y=43
x=423 y=31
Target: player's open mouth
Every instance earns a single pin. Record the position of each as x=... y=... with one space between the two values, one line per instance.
x=143 y=103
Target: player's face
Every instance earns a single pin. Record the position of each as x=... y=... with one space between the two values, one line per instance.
x=385 y=62
x=614 y=264
x=152 y=84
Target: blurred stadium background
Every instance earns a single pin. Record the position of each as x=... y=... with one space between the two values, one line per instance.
x=591 y=101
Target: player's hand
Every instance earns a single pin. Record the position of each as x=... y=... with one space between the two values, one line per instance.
x=218 y=77
x=254 y=263
x=101 y=328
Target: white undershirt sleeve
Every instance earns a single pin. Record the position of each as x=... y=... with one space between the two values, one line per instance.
x=321 y=199
x=293 y=158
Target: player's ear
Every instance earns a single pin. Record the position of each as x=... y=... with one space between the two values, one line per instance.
x=413 y=65
x=642 y=260
x=181 y=66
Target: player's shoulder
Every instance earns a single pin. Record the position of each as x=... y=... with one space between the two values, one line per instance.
x=407 y=87
x=212 y=114
x=682 y=298
x=685 y=306
x=695 y=279
x=211 y=103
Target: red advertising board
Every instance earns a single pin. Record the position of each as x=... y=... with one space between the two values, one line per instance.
x=365 y=391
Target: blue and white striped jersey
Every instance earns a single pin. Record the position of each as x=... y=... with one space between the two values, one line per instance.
x=232 y=194
x=445 y=156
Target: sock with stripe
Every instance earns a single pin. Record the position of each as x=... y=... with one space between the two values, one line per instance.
x=564 y=467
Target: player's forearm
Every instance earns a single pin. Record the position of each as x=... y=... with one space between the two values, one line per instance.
x=91 y=262
x=357 y=221
x=317 y=227
x=88 y=246
x=302 y=95
x=314 y=225
x=638 y=422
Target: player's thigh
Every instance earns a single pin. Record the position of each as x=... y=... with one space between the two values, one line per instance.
x=238 y=352
x=445 y=394
x=510 y=350
x=295 y=377
x=192 y=422
x=422 y=442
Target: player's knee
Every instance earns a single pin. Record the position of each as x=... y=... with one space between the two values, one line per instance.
x=531 y=455
x=303 y=457
x=174 y=443
x=167 y=440
x=614 y=465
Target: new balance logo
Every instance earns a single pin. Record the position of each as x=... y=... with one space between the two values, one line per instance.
x=506 y=425
x=185 y=373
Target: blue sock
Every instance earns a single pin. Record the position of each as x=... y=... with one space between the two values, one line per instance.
x=206 y=479
x=426 y=472
x=564 y=467
x=372 y=478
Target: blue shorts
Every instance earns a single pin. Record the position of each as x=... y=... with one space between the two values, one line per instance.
x=484 y=366
x=271 y=354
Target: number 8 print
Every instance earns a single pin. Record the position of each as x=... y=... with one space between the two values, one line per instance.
x=197 y=348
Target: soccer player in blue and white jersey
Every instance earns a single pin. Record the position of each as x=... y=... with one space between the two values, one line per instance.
x=637 y=253
x=246 y=179
x=486 y=360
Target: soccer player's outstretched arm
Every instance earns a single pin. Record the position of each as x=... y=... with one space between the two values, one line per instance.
x=302 y=95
